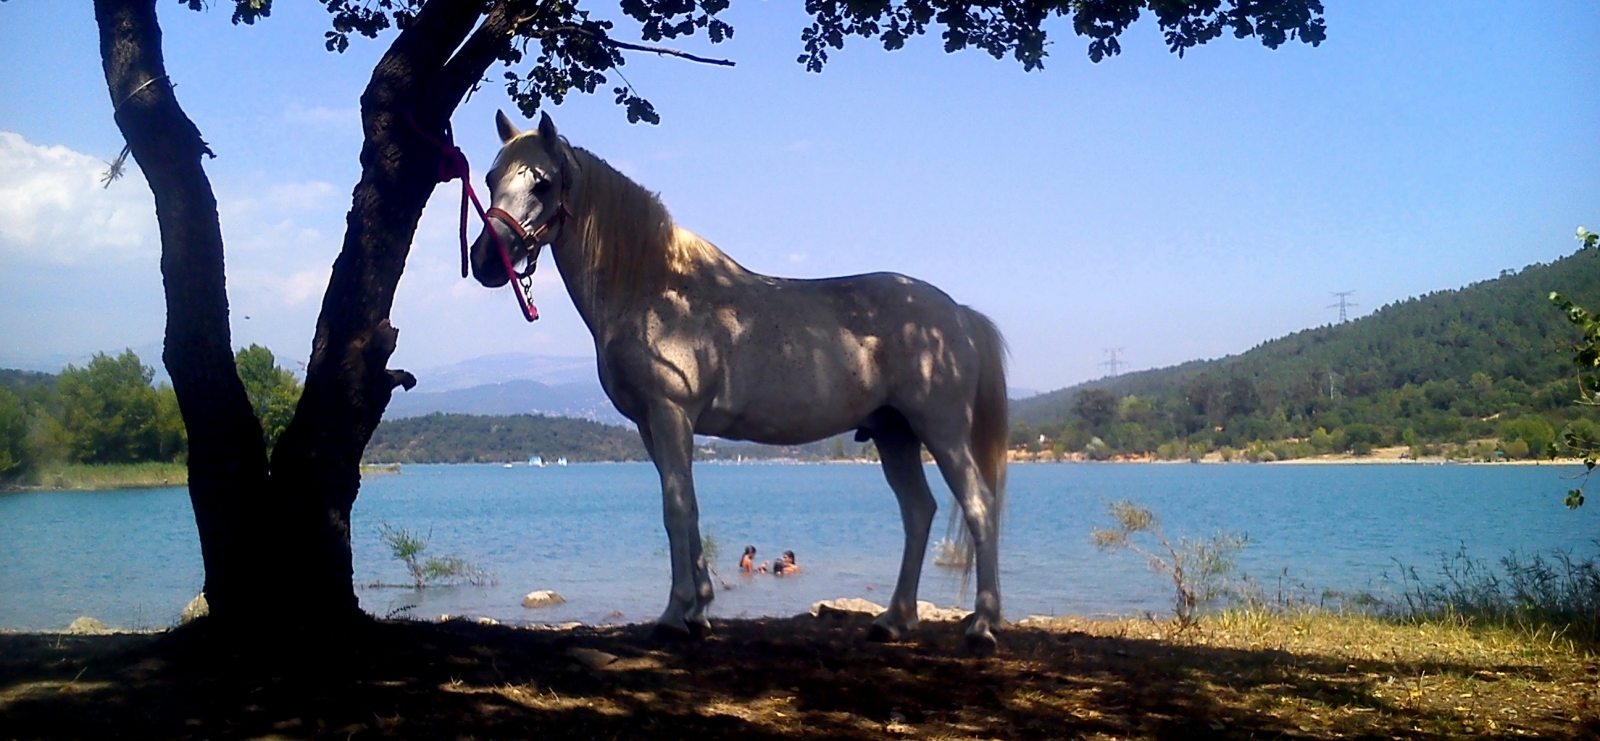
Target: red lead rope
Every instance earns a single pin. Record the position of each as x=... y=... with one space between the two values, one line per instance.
x=452 y=165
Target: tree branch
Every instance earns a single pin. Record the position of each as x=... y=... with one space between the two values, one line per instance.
x=604 y=39
x=467 y=65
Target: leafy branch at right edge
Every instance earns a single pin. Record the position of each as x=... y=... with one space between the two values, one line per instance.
x=1586 y=355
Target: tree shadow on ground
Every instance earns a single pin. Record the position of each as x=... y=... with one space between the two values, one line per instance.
x=798 y=678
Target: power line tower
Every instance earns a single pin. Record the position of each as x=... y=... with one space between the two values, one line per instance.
x=1113 y=362
x=1344 y=304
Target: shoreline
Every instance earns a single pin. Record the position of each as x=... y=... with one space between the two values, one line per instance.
x=1390 y=456
x=89 y=478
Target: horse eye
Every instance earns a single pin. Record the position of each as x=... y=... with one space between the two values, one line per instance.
x=542 y=187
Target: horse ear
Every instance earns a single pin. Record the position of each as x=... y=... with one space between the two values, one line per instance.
x=508 y=130
x=547 y=132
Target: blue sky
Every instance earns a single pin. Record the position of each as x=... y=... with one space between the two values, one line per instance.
x=1177 y=208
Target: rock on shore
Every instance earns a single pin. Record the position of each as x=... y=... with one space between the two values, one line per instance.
x=197 y=608
x=845 y=607
x=88 y=626
x=927 y=611
x=542 y=598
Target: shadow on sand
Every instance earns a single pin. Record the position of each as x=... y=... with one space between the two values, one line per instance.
x=795 y=678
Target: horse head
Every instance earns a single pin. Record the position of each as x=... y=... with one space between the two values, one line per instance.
x=528 y=186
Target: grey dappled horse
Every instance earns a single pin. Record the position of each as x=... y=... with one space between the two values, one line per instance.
x=689 y=342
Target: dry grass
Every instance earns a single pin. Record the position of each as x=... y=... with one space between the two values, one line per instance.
x=1239 y=675
x=93 y=477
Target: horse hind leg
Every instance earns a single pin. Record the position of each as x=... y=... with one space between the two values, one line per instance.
x=977 y=502
x=669 y=440
x=901 y=454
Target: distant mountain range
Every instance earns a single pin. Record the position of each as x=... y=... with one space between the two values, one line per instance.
x=580 y=399
x=520 y=383
x=487 y=370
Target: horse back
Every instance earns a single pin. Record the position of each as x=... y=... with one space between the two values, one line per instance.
x=782 y=360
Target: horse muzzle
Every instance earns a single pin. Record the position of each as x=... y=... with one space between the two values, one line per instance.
x=489 y=265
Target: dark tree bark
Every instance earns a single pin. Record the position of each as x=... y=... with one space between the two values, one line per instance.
x=276 y=541
x=227 y=458
x=348 y=384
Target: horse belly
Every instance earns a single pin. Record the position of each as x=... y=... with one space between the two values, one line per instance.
x=794 y=394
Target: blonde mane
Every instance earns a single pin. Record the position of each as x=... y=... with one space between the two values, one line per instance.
x=631 y=248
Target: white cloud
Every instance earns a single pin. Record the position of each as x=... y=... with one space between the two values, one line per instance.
x=54 y=210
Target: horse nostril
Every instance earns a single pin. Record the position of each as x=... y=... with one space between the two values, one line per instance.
x=486 y=267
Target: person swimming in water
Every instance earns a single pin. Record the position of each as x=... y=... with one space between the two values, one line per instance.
x=786 y=565
x=747 y=562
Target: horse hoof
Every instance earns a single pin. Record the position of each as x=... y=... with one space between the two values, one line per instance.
x=982 y=644
x=679 y=633
x=881 y=633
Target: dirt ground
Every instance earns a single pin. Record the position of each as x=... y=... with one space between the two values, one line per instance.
x=1312 y=677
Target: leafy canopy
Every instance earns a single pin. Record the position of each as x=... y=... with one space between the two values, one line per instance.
x=14 y=448
x=273 y=391
x=113 y=415
x=558 y=48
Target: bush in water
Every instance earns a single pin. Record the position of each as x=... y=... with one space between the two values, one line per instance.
x=1200 y=569
x=410 y=548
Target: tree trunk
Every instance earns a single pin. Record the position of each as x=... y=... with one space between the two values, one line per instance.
x=227 y=458
x=413 y=90
x=276 y=543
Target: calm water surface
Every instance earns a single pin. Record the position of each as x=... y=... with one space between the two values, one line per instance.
x=594 y=534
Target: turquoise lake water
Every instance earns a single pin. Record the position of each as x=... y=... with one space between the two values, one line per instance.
x=593 y=533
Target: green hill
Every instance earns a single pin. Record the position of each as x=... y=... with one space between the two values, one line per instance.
x=466 y=438
x=1491 y=360
x=473 y=438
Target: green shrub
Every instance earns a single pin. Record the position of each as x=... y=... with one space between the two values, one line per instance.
x=410 y=548
x=1361 y=437
x=110 y=410
x=1202 y=571
x=16 y=450
x=1534 y=432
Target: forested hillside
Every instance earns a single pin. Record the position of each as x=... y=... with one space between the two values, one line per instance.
x=1437 y=372
x=466 y=438
x=110 y=412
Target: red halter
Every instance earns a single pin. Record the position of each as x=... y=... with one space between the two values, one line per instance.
x=452 y=165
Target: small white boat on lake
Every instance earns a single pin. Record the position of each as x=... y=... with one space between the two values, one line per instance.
x=536 y=461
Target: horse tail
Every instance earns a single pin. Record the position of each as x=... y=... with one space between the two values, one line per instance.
x=990 y=428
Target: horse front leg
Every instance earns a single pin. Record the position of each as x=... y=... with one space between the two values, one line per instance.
x=902 y=466
x=669 y=438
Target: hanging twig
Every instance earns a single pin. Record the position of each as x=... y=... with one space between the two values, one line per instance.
x=114 y=168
